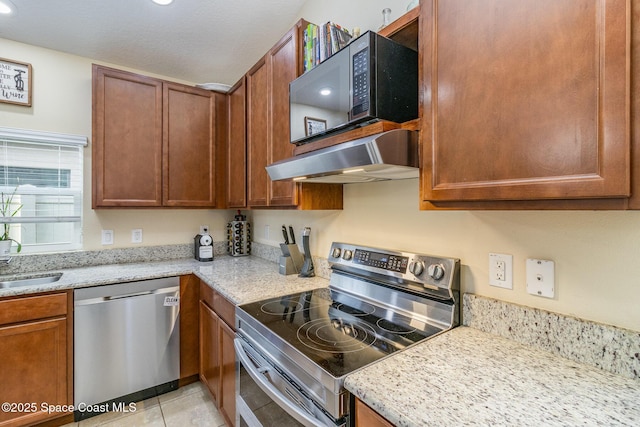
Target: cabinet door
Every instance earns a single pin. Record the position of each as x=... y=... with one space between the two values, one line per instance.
x=283 y=64
x=525 y=100
x=189 y=147
x=258 y=133
x=36 y=360
x=227 y=401
x=127 y=139
x=189 y=327
x=209 y=354
x=237 y=151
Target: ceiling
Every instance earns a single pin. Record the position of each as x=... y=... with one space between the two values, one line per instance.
x=199 y=41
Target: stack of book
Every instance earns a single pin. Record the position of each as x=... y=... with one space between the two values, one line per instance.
x=322 y=41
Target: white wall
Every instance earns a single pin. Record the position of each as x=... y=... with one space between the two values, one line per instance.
x=596 y=254
x=62 y=103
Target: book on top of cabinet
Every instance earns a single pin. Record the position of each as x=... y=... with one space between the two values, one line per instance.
x=322 y=41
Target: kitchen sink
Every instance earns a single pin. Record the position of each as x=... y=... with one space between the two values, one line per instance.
x=18 y=280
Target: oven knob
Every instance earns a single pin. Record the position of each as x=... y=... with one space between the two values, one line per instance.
x=416 y=267
x=336 y=253
x=436 y=271
x=347 y=254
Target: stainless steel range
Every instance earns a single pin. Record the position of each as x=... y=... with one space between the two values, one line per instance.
x=294 y=351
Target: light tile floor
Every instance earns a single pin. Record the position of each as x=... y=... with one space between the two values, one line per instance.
x=188 y=406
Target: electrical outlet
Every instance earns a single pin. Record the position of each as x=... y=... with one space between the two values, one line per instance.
x=500 y=267
x=266 y=232
x=107 y=237
x=501 y=270
x=136 y=235
x=204 y=229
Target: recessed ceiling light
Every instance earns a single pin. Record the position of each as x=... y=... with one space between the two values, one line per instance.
x=6 y=7
x=325 y=92
x=161 y=2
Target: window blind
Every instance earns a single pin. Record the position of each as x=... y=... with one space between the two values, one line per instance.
x=44 y=173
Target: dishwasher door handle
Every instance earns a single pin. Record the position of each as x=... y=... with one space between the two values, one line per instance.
x=135 y=294
x=108 y=298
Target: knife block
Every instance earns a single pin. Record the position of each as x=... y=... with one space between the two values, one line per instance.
x=291 y=259
x=286 y=266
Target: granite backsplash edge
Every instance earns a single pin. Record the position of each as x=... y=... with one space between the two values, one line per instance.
x=609 y=348
x=31 y=263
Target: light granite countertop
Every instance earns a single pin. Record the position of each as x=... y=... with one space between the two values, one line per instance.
x=248 y=279
x=465 y=376
x=469 y=377
x=239 y=279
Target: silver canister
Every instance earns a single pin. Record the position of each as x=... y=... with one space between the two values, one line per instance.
x=239 y=236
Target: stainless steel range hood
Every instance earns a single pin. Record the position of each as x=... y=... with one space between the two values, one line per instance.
x=384 y=156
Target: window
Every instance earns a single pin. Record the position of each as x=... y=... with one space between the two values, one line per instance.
x=45 y=171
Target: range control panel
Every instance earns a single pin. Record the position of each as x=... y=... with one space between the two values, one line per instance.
x=431 y=271
x=381 y=260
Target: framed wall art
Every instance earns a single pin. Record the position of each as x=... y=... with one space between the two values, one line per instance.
x=15 y=82
x=313 y=126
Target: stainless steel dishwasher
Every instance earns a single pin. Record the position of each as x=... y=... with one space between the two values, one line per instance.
x=126 y=344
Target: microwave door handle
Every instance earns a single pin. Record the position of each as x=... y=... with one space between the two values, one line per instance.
x=271 y=391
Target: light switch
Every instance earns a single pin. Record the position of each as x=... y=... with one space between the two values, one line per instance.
x=136 y=235
x=107 y=237
x=541 y=277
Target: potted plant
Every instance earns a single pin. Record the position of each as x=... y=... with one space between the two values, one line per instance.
x=8 y=210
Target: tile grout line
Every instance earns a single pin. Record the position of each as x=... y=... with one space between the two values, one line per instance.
x=164 y=421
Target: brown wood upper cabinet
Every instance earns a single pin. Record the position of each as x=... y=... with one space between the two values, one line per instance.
x=154 y=142
x=268 y=137
x=237 y=150
x=525 y=100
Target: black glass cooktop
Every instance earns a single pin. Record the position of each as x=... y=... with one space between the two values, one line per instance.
x=337 y=336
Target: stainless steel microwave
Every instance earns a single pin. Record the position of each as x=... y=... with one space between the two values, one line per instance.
x=373 y=78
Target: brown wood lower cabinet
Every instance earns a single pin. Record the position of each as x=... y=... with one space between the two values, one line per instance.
x=217 y=355
x=209 y=355
x=227 y=398
x=367 y=417
x=189 y=336
x=36 y=355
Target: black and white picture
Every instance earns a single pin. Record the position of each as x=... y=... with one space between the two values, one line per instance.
x=15 y=82
x=313 y=126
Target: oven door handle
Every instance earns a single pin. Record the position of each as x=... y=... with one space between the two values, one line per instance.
x=271 y=391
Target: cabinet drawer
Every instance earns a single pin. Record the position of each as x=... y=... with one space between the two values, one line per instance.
x=367 y=417
x=206 y=294
x=219 y=304
x=225 y=309
x=34 y=307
